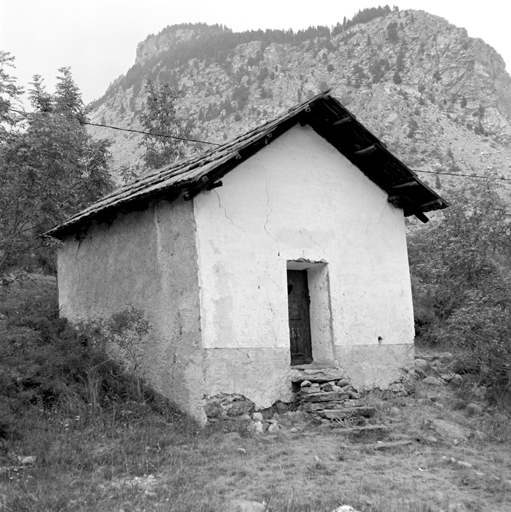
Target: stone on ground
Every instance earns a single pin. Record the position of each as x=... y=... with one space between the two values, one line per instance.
x=432 y=381
x=449 y=430
x=457 y=380
x=421 y=364
x=445 y=357
x=257 y=416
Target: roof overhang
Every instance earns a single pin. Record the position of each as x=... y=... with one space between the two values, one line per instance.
x=323 y=113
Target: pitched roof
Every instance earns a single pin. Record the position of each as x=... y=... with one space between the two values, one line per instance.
x=323 y=113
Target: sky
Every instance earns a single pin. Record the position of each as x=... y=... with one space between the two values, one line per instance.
x=97 y=39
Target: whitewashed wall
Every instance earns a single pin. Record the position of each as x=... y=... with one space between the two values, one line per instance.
x=144 y=260
x=299 y=198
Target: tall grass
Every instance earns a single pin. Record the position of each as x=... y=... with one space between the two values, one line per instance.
x=50 y=368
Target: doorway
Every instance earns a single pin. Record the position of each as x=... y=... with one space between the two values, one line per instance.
x=299 y=317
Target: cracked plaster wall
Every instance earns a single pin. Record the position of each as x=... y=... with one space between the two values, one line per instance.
x=146 y=260
x=300 y=198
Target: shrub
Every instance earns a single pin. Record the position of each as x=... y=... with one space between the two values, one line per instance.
x=461 y=280
x=47 y=364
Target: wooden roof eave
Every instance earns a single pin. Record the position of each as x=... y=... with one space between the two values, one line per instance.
x=324 y=114
x=394 y=177
x=243 y=153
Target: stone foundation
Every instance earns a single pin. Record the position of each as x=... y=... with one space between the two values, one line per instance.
x=314 y=397
x=327 y=395
x=225 y=406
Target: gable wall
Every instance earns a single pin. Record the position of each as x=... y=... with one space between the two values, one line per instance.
x=146 y=260
x=300 y=198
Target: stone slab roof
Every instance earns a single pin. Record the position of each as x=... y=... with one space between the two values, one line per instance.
x=323 y=113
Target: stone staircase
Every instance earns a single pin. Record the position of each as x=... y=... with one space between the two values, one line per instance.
x=328 y=396
x=322 y=395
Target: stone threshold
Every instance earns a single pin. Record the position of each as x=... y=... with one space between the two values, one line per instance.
x=316 y=373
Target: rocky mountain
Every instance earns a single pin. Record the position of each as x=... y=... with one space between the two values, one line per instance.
x=439 y=99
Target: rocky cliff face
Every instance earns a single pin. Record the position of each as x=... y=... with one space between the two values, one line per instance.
x=439 y=99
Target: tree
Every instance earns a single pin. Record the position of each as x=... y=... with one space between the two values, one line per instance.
x=462 y=280
x=376 y=70
x=323 y=86
x=164 y=144
x=392 y=34
x=50 y=168
x=10 y=95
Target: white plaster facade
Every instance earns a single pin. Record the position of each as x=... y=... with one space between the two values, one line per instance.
x=211 y=276
x=300 y=199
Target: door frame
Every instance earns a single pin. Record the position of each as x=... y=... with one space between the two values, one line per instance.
x=320 y=311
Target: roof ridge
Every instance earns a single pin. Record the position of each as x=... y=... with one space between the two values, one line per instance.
x=328 y=120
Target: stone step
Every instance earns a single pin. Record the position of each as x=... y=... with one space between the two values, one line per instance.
x=329 y=396
x=318 y=375
x=320 y=406
x=340 y=414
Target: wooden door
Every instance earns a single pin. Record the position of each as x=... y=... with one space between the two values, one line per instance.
x=299 y=318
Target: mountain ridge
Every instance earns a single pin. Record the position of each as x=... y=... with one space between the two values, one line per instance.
x=439 y=99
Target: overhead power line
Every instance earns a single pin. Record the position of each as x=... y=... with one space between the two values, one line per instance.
x=217 y=144
x=149 y=133
x=26 y=114
x=477 y=176
x=465 y=175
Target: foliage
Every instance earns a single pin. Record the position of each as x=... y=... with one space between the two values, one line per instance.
x=413 y=126
x=392 y=34
x=146 y=456
x=323 y=86
x=10 y=95
x=241 y=94
x=163 y=145
x=50 y=168
x=362 y=16
x=377 y=70
x=358 y=71
x=461 y=280
x=49 y=364
x=120 y=336
x=214 y=43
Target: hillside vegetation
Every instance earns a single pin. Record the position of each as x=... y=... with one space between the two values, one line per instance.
x=439 y=99
x=80 y=431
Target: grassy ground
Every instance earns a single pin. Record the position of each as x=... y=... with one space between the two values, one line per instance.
x=132 y=456
x=135 y=459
